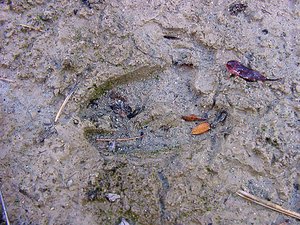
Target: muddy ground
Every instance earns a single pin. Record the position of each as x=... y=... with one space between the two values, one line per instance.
x=135 y=68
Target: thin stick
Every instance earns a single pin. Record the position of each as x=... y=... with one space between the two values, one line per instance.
x=30 y=27
x=7 y=80
x=4 y=208
x=120 y=139
x=64 y=104
x=267 y=204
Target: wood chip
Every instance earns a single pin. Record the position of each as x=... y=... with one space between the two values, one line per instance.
x=201 y=128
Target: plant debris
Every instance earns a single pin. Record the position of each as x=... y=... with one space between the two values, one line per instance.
x=135 y=112
x=6 y=80
x=192 y=117
x=220 y=118
x=121 y=106
x=236 y=8
x=267 y=204
x=5 y=216
x=238 y=69
x=201 y=128
x=112 y=197
x=31 y=27
x=64 y=103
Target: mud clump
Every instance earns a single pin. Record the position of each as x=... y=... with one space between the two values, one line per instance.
x=236 y=8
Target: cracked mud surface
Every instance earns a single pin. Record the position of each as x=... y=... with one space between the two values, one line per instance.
x=137 y=67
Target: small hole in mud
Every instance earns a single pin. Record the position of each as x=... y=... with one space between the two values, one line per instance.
x=265 y=31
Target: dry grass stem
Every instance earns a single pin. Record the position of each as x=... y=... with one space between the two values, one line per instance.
x=4 y=208
x=31 y=27
x=267 y=204
x=7 y=80
x=63 y=105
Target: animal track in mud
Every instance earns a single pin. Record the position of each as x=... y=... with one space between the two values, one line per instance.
x=143 y=115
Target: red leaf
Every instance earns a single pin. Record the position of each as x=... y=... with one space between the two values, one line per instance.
x=192 y=117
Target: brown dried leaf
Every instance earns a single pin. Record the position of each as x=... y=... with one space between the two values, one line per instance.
x=192 y=117
x=201 y=128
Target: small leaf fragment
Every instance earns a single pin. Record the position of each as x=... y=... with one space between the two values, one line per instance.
x=192 y=117
x=201 y=128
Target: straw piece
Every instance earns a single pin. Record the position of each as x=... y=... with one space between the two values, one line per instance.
x=4 y=208
x=267 y=204
x=7 y=80
x=31 y=28
x=64 y=104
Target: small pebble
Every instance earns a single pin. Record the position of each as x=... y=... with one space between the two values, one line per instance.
x=298 y=88
x=112 y=197
x=69 y=183
x=124 y=222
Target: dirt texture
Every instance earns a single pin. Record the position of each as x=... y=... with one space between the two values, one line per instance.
x=120 y=150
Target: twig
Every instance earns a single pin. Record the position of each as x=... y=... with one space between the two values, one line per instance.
x=7 y=80
x=267 y=204
x=64 y=103
x=120 y=139
x=4 y=208
x=31 y=28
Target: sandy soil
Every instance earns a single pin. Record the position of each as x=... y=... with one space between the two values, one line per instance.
x=135 y=68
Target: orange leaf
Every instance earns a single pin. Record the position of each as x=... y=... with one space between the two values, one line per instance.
x=192 y=117
x=201 y=128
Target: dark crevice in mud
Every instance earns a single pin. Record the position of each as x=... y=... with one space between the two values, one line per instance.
x=169 y=37
x=215 y=147
x=295 y=198
x=87 y=3
x=162 y=196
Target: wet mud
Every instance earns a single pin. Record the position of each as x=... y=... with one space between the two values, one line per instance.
x=134 y=68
